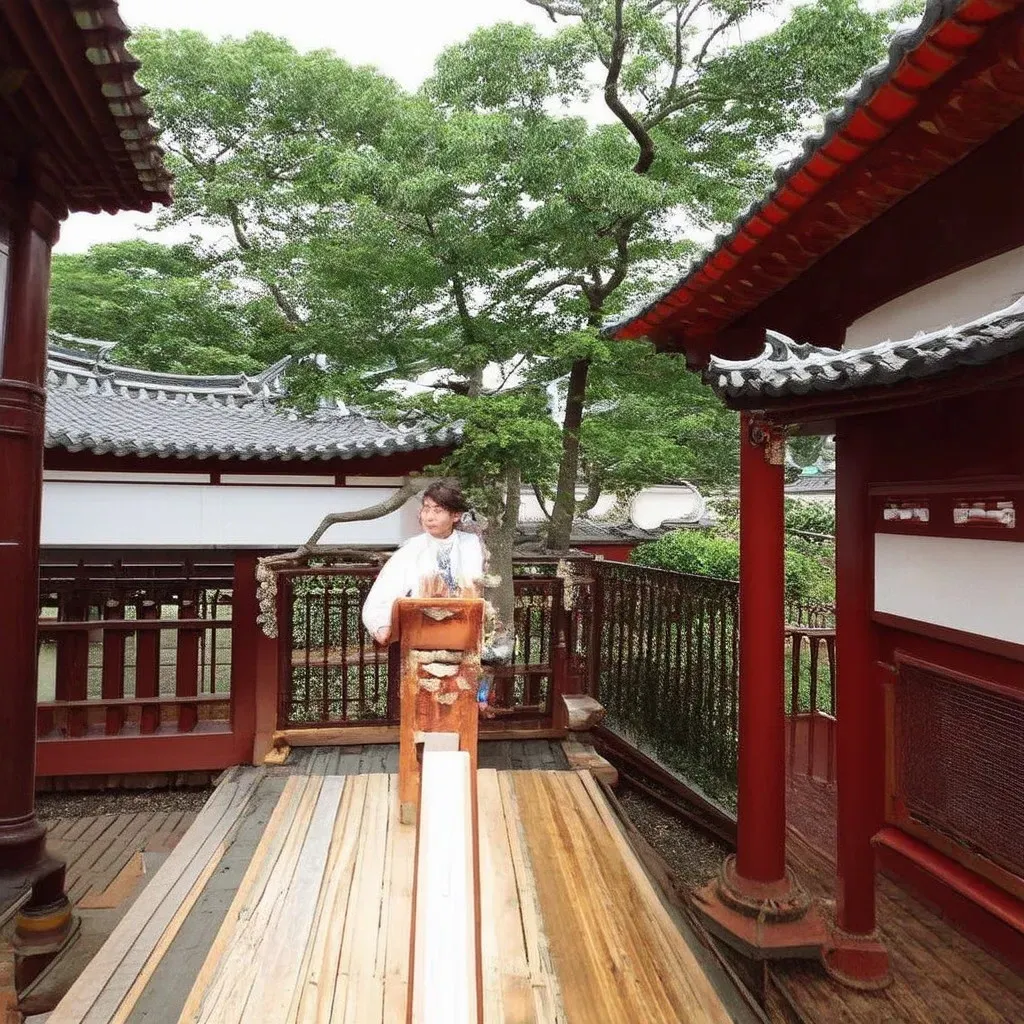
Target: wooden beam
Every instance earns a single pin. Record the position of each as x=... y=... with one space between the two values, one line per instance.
x=583 y=757
x=582 y=712
x=446 y=984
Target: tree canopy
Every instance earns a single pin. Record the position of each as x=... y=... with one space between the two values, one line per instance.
x=475 y=235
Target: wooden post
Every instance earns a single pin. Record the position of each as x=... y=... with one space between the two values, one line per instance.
x=23 y=857
x=112 y=683
x=147 y=666
x=22 y=399
x=72 y=671
x=186 y=662
x=440 y=647
x=761 y=800
x=857 y=955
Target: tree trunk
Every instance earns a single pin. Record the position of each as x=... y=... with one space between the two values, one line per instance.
x=501 y=538
x=560 y=527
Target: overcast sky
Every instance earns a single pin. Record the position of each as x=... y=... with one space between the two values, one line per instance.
x=401 y=37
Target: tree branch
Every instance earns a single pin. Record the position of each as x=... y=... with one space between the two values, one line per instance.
x=593 y=496
x=285 y=304
x=615 y=104
x=565 y=8
x=720 y=27
x=412 y=486
x=540 y=501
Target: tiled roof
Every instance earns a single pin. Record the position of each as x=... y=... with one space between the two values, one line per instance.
x=587 y=531
x=74 y=100
x=786 y=368
x=819 y=483
x=99 y=407
x=917 y=57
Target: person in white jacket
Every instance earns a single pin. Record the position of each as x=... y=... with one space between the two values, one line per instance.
x=443 y=561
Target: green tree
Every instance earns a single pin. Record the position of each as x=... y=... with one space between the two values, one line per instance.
x=165 y=309
x=481 y=231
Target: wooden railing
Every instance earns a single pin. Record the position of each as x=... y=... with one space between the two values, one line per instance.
x=811 y=700
x=332 y=674
x=135 y=657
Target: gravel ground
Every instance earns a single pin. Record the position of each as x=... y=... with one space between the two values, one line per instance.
x=85 y=804
x=691 y=855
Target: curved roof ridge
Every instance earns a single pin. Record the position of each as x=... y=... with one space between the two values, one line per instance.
x=784 y=367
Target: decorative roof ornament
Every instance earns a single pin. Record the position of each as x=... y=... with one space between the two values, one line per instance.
x=786 y=368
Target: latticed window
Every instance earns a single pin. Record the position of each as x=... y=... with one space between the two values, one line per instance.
x=959 y=751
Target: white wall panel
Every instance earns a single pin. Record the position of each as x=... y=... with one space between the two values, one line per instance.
x=952 y=300
x=169 y=515
x=976 y=586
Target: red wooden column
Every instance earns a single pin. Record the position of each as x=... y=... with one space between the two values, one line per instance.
x=857 y=955
x=761 y=800
x=756 y=905
x=22 y=404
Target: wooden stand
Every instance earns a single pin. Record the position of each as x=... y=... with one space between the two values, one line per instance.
x=440 y=649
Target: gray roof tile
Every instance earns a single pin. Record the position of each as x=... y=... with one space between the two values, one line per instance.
x=99 y=407
x=786 y=368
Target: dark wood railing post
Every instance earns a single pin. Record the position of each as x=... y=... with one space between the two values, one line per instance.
x=186 y=663
x=147 y=666
x=112 y=684
x=596 y=635
x=72 y=672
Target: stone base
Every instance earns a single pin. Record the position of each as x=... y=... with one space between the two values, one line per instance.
x=762 y=921
x=858 y=961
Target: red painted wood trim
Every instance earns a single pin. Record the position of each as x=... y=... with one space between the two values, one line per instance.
x=988 y=913
x=130 y=625
x=116 y=755
x=1001 y=648
x=244 y=645
x=130 y=702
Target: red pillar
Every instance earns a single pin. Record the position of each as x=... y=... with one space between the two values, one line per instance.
x=22 y=406
x=761 y=800
x=756 y=905
x=44 y=921
x=860 y=730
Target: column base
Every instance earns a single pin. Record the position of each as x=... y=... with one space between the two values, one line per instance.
x=857 y=961
x=762 y=921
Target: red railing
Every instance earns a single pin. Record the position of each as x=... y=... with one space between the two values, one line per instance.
x=811 y=700
x=135 y=663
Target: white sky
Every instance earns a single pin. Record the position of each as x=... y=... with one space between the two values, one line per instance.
x=401 y=37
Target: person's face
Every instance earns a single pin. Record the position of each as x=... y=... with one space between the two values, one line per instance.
x=437 y=521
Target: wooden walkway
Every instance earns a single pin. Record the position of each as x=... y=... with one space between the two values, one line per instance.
x=290 y=897
x=938 y=974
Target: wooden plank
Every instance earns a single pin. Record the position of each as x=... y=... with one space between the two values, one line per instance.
x=402 y=864
x=317 y=994
x=547 y=996
x=270 y=998
x=212 y=823
x=249 y=892
x=355 y=985
x=582 y=756
x=262 y=928
x=445 y=968
x=169 y=934
x=505 y=973
x=692 y=973
x=174 y=977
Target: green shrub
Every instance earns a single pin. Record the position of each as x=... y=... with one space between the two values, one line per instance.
x=701 y=553
x=811 y=516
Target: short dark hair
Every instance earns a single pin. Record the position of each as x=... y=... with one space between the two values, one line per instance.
x=448 y=494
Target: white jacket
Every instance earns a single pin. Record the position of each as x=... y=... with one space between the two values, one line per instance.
x=414 y=561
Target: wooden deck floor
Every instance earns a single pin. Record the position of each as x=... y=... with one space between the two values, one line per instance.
x=290 y=897
x=938 y=974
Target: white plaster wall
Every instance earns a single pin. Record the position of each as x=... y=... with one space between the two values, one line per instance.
x=530 y=510
x=952 y=300
x=666 y=503
x=972 y=585
x=106 y=514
